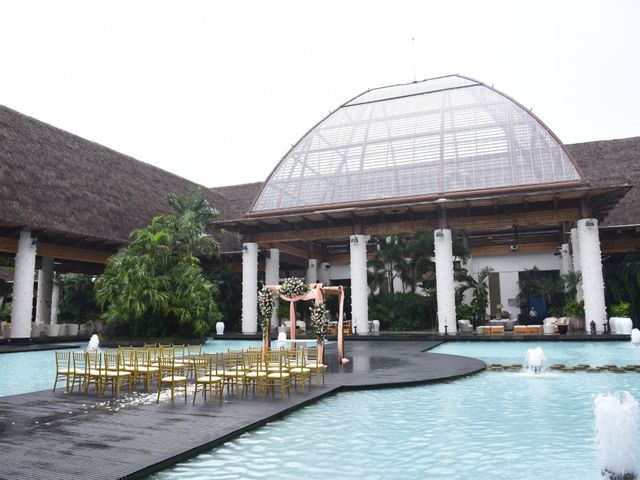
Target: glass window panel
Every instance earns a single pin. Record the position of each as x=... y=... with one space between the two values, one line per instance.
x=443 y=135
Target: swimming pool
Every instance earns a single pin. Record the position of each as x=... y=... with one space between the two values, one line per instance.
x=26 y=372
x=491 y=425
x=568 y=353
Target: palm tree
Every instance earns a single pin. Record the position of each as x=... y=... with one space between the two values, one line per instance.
x=390 y=262
x=480 y=288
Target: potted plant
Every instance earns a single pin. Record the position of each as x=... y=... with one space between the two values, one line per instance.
x=575 y=311
x=620 y=321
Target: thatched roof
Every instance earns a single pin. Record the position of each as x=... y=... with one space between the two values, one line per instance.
x=238 y=201
x=55 y=181
x=611 y=162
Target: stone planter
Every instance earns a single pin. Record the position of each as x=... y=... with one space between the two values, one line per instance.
x=219 y=328
x=72 y=329
x=624 y=326
x=563 y=329
x=53 y=330
x=577 y=324
x=86 y=330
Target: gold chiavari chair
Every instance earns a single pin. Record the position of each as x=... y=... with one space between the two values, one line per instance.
x=115 y=373
x=279 y=375
x=171 y=375
x=298 y=367
x=80 y=371
x=63 y=369
x=233 y=370
x=193 y=351
x=255 y=372
x=206 y=375
x=96 y=372
x=315 y=364
x=144 y=369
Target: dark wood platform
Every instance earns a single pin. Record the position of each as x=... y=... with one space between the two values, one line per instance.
x=70 y=436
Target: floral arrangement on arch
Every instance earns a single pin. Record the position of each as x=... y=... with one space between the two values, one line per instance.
x=320 y=321
x=265 y=304
x=293 y=287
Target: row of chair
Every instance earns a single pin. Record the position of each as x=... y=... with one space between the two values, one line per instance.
x=168 y=366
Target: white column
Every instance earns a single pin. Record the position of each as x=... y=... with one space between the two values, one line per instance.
x=323 y=273
x=359 y=287
x=575 y=246
x=55 y=302
x=565 y=259
x=312 y=271
x=592 y=280
x=23 y=277
x=444 y=280
x=45 y=291
x=272 y=277
x=249 y=288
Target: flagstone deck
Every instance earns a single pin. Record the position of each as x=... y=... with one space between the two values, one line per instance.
x=69 y=436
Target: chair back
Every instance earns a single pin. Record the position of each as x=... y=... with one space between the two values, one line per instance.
x=167 y=367
x=79 y=362
x=63 y=361
x=276 y=359
x=178 y=351
x=193 y=350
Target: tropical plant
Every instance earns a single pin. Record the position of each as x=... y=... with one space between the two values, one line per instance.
x=388 y=264
x=622 y=309
x=622 y=281
x=156 y=286
x=5 y=312
x=77 y=299
x=5 y=289
x=404 y=311
x=480 y=289
x=571 y=281
x=573 y=308
x=408 y=259
x=552 y=289
x=229 y=299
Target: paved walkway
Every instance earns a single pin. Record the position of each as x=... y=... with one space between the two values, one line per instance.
x=70 y=436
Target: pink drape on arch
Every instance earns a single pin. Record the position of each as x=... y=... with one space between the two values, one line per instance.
x=316 y=292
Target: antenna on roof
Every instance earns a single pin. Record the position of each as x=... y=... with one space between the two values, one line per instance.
x=413 y=48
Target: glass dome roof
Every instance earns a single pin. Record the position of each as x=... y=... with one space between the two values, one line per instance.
x=447 y=134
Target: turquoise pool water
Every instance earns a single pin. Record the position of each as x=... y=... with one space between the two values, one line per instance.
x=33 y=371
x=488 y=426
x=568 y=353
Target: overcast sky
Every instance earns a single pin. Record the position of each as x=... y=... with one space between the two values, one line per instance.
x=218 y=91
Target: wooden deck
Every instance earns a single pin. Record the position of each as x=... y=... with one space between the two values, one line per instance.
x=71 y=436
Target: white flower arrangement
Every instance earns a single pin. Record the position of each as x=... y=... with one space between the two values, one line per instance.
x=320 y=320
x=293 y=287
x=265 y=304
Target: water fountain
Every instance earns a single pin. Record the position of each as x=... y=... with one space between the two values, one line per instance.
x=94 y=343
x=534 y=360
x=617 y=436
x=635 y=337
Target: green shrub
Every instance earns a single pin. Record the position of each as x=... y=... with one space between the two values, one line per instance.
x=574 y=309
x=464 y=311
x=622 y=309
x=155 y=287
x=403 y=311
x=5 y=312
x=77 y=299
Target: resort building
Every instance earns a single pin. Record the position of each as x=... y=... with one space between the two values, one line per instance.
x=450 y=155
